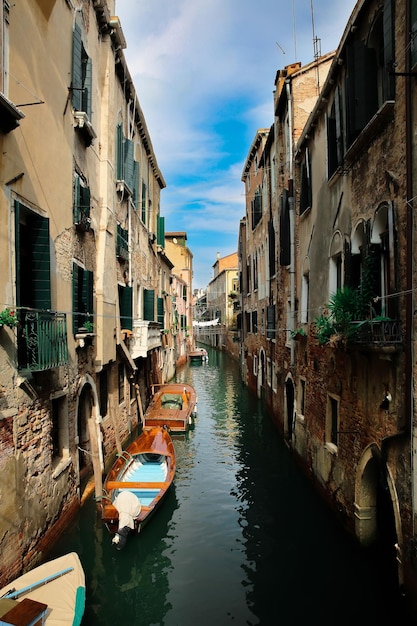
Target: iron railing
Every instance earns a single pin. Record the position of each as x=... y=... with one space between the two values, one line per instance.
x=378 y=332
x=42 y=340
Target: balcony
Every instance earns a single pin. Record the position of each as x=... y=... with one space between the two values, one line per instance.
x=145 y=337
x=378 y=332
x=41 y=340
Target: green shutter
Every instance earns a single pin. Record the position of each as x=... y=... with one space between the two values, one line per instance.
x=88 y=88
x=77 y=74
x=74 y=297
x=143 y=202
x=125 y=306
x=135 y=183
x=160 y=307
x=77 y=200
x=148 y=304
x=120 y=159
x=82 y=296
x=17 y=251
x=41 y=275
x=129 y=163
x=389 y=51
x=160 y=234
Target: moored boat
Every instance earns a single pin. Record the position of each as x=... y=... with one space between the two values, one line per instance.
x=137 y=483
x=52 y=594
x=198 y=356
x=173 y=405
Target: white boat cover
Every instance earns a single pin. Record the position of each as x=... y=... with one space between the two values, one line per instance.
x=65 y=595
x=128 y=506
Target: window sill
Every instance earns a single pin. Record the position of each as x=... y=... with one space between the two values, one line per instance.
x=61 y=467
x=82 y=122
x=330 y=447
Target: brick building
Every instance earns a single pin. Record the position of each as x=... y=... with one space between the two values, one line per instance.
x=332 y=346
x=85 y=272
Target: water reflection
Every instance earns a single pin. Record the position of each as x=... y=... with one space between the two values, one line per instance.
x=241 y=539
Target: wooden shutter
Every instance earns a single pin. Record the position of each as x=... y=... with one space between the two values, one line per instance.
x=41 y=274
x=284 y=231
x=120 y=158
x=160 y=231
x=125 y=306
x=160 y=309
x=77 y=74
x=148 y=304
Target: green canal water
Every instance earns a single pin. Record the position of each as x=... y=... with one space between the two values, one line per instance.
x=242 y=538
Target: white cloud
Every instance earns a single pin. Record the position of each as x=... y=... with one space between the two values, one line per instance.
x=204 y=71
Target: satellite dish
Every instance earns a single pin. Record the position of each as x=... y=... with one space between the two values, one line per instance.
x=175 y=240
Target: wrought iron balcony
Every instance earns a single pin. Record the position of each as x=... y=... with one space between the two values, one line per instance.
x=380 y=332
x=146 y=336
x=42 y=340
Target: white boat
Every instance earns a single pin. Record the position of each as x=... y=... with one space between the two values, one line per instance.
x=52 y=594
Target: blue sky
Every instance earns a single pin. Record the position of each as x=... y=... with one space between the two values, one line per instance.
x=204 y=72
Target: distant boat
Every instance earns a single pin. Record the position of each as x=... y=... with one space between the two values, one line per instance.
x=173 y=405
x=137 y=482
x=199 y=356
x=52 y=594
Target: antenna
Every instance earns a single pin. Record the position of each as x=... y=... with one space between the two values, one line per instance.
x=280 y=47
x=316 y=47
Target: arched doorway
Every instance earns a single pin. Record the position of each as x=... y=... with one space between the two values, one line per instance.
x=261 y=375
x=377 y=516
x=90 y=453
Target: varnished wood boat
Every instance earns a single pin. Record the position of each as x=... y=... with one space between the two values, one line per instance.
x=137 y=482
x=173 y=405
x=52 y=594
x=198 y=356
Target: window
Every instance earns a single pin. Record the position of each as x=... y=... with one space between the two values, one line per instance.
x=126 y=307
x=332 y=421
x=256 y=207
x=160 y=231
x=254 y=322
x=369 y=78
x=255 y=364
x=149 y=305
x=144 y=202
x=271 y=248
x=274 y=376
x=336 y=264
x=81 y=75
x=306 y=189
x=81 y=203
x=305 y=286
x=270 y=322
x=122 y=243
x=284 y=234
x=127 y=167
x=60 y=436
x=161 y=312
x=335 y=140
x=82 y=297
x=33 y=277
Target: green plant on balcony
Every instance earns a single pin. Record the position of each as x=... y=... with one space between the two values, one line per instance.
x=8 y=317
x=298 y=333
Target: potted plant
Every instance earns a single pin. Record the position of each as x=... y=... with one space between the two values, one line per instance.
x=8 y=317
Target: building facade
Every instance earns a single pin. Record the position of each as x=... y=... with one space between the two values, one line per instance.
x=333 y=351
x=84 y=289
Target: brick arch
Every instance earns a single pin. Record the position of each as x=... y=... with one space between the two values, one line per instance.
x=371 y=470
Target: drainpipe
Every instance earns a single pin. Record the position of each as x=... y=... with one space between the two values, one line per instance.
x=291 y=207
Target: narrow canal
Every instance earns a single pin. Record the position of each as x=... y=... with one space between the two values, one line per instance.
x=242 y=539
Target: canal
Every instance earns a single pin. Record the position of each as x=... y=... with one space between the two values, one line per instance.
x=242 y=538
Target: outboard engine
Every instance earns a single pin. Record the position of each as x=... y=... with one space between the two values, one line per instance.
x=128 y=506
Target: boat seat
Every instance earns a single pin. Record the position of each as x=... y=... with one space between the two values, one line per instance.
x=115 y=484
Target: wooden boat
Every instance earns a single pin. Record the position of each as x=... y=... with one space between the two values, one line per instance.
x=173 y=405
x=137 y=482
x=198 y=356
x=52 y=594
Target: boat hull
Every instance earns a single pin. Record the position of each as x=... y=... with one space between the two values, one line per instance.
x=172 y=405
x=137 y=483
x=62 y=590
